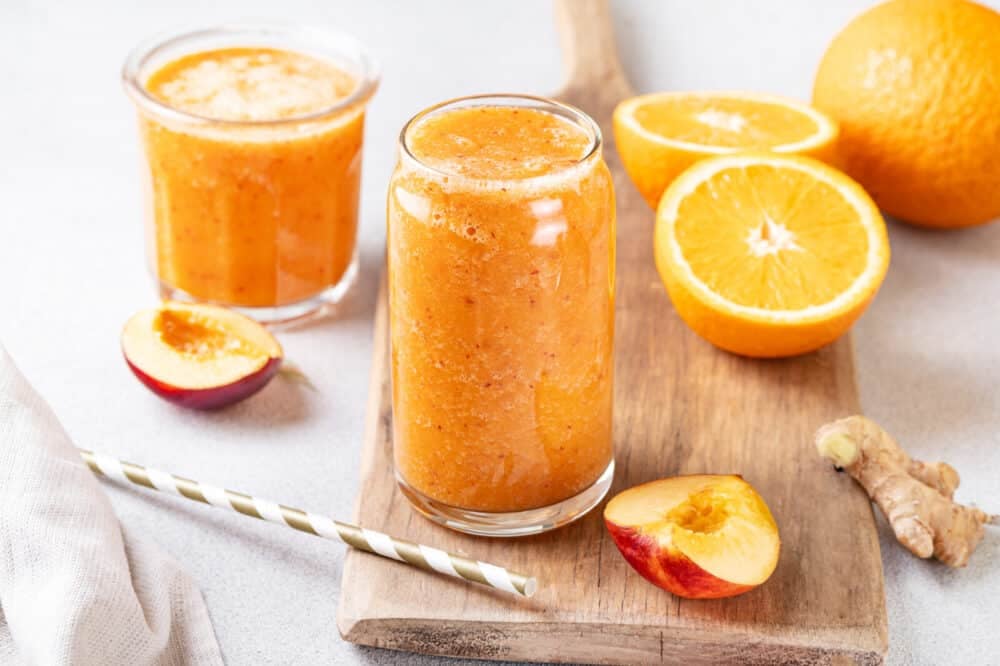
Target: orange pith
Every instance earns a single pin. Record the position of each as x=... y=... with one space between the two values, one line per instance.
x=661 y=134
x=768 y=255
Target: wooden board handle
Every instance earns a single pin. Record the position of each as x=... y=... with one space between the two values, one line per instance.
x=590 y=55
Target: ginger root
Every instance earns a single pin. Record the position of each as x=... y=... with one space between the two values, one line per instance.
x=916 y=497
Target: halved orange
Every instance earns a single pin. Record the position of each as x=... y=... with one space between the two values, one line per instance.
x=769 y=255
x=661 y=134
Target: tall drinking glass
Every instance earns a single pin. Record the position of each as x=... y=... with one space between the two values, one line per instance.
x=501 y=257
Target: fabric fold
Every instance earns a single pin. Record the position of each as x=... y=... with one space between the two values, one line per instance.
x=74 y=587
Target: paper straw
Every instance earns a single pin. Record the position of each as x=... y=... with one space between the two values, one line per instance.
x=377 y=543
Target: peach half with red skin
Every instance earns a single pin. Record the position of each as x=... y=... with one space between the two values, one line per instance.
x=699 y=536
x=200 y=356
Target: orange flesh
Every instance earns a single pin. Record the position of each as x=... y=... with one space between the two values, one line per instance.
x=725 y=123
x=501 y=302
x=250 y=216
x=771 y=238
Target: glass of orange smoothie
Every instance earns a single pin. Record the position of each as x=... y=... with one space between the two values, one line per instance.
x=252 y=139
x=501 y=257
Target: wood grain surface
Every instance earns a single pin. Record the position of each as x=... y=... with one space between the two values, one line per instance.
x=681 y=406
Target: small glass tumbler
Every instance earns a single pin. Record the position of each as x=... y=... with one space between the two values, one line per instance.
x=257 y=212
x=501 y=301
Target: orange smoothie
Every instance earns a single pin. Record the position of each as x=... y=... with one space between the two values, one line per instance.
x=501 y=246
x=253 y=187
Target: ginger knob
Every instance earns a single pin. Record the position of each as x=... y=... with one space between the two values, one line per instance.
x=915 y=496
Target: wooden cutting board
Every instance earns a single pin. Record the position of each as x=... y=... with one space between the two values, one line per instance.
x=681 y=406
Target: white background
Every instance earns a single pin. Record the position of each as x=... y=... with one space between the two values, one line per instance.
x=72 y=270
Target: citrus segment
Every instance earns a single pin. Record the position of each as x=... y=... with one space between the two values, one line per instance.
x=715 y=121
x=769 y=255
x=661 y=134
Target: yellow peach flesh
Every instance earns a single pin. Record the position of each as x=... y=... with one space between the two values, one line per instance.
x=197 y=346
x=718 y=522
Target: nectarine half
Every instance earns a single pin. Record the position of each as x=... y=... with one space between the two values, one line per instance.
x=199 y=356
x=698 y=536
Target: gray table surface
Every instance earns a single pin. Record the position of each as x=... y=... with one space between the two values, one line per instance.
x=72 y=270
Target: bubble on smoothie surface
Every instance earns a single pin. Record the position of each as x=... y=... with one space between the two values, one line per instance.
x=250 y=84
x=498 y=142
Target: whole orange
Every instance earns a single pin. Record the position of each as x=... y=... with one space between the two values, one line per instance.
x=915 y=85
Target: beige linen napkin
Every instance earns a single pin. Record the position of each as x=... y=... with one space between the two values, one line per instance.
x=75 y=589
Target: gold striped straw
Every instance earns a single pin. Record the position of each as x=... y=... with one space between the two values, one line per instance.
x=377 y=543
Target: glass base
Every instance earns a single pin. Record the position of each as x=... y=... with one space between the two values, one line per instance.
x=514 y=523
x=281 y=316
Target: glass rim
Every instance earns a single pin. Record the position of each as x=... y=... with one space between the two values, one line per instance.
x=135 y=88
x=568 y=111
